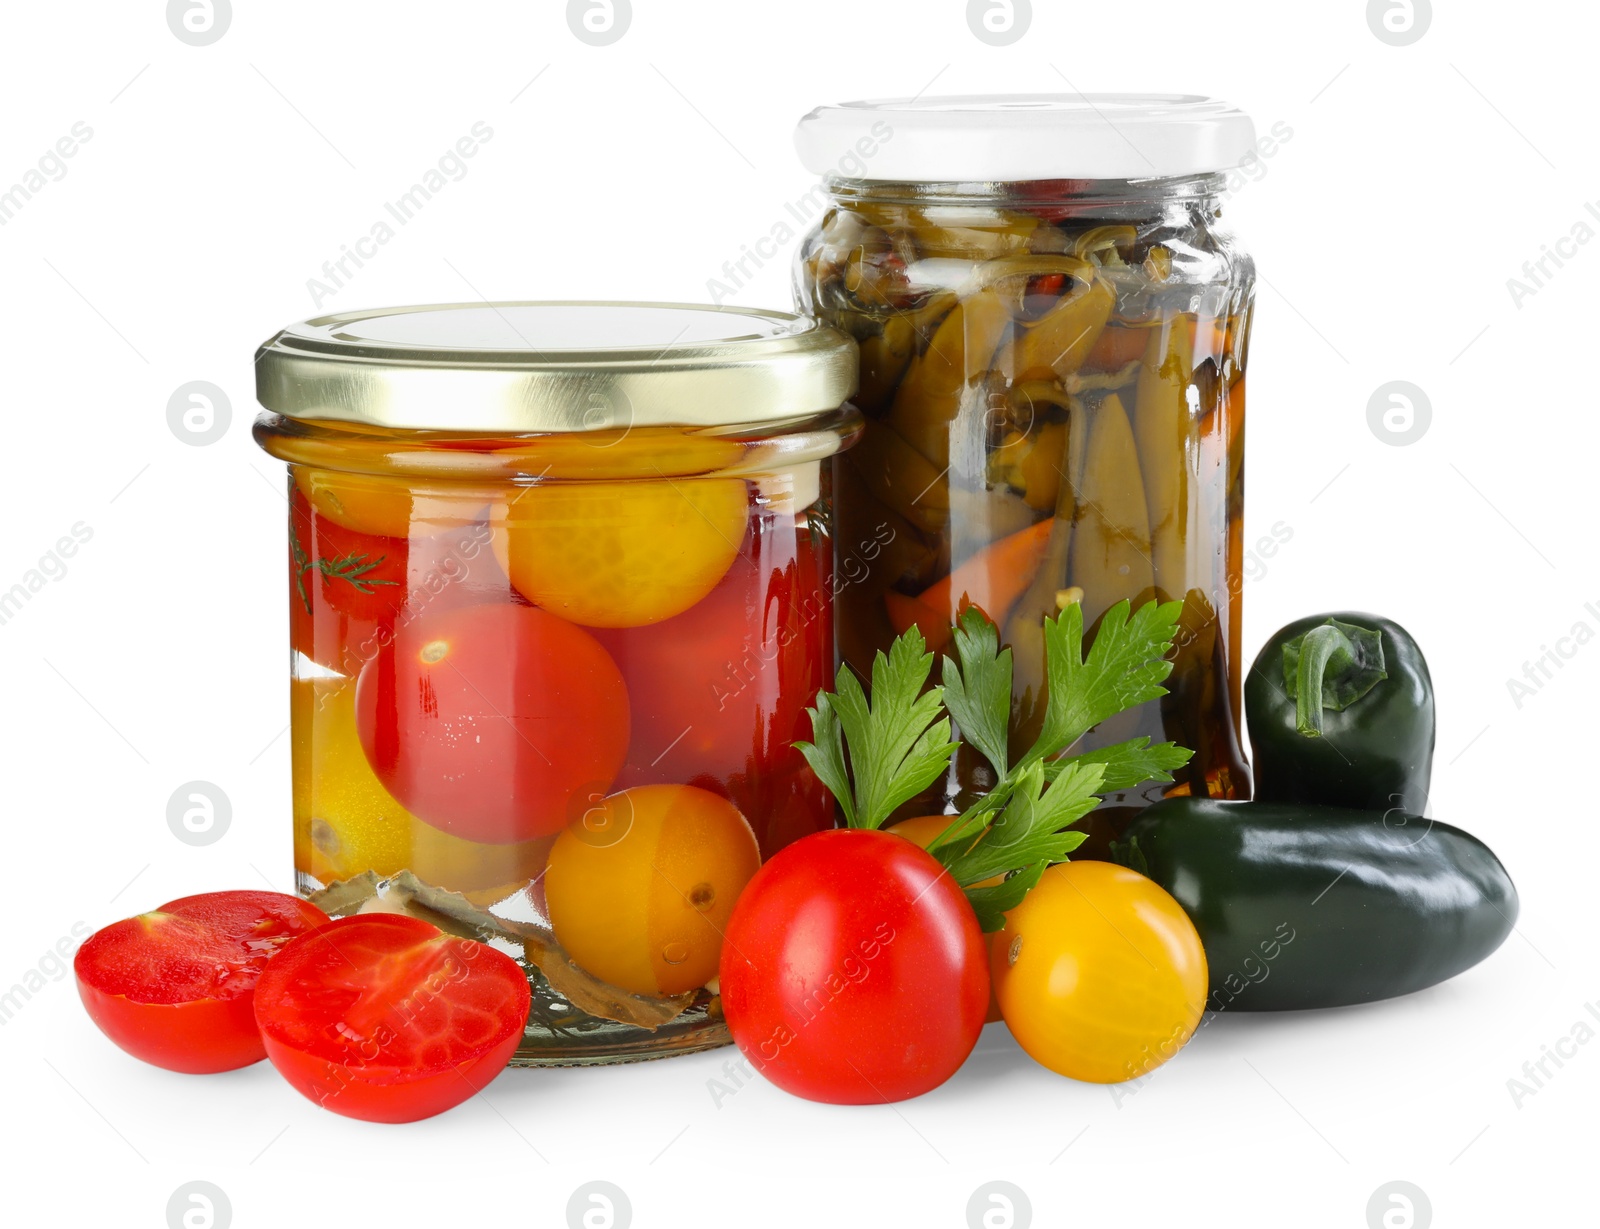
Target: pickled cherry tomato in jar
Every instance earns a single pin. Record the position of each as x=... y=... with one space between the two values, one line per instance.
x=560 y=591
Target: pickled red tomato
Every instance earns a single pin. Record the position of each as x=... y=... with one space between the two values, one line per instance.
x=719 y=692
x=346 y=822
x=639 y=890
x=343 y=585
x=348 y=590
x=621 y=554
x=491 y=721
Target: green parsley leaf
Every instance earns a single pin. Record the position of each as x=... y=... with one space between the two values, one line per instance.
x=1125 y=668
x=1029 y=829
x=826 y=753
x=898 y=744
x=992 y=903
x=978 y=690
x=1128 y=764
x=876 y=756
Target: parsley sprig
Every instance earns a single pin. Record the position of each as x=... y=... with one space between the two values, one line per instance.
x=876 y=755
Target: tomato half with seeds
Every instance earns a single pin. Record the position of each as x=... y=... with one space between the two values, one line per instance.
x=175 y=986
x=495 y=723
x=854 y=970
x=386 y=1018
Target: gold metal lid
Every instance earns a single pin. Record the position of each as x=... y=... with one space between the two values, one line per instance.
x=557 y=366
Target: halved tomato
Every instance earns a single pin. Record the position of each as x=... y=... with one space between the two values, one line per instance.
x=175 y=987
x=388 y=1019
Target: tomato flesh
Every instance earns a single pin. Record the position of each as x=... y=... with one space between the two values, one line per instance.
x=492 y=721
x=385 y=1018
x=854 y=970
x=175 y=987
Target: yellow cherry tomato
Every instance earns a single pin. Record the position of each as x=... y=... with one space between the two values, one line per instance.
x=621 y=554
x=1099 y=973
x=346 y=822
x=639 y=889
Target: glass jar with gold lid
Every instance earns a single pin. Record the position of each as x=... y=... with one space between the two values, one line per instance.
x=560 y=581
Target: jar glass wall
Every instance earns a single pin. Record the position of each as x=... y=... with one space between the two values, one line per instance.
x=544 y=691
x=1053 y=383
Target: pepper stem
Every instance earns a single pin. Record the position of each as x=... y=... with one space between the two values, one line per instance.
x=1331 y=666
x=1323 y=647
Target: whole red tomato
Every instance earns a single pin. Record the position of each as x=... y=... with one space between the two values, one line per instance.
x=175 y=986
x=495 y=723
x=854 y=970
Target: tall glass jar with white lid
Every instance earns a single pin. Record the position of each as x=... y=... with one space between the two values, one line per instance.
x=1054 y=325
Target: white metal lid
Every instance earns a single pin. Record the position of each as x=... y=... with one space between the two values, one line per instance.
x=1019 y=137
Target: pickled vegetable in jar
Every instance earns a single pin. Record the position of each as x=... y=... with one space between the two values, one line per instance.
x=560 y=586
x=1053 y=327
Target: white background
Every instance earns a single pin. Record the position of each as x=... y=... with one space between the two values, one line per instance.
x=219 y=179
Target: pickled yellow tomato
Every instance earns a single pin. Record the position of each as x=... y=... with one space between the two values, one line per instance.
x=639 y=889
x=346 y=822
x=621 y=554
x=385 y=506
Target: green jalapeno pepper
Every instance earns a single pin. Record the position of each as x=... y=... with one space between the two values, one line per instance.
x=1340 y=710
x=1307 y=906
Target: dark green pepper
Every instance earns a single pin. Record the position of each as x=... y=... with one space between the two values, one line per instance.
x=1340 y=709
x=1302 y=907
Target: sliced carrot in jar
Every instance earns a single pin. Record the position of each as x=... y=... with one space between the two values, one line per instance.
x=991 y=580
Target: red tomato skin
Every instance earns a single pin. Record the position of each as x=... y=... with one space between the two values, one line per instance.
x=383 y=1088
x=854 y=971
x=199 y=1036
x=505 y=737
x=358 y=1092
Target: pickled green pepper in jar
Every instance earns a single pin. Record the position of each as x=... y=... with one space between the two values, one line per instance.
x=1053 y=328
